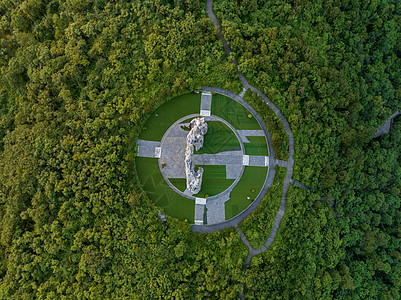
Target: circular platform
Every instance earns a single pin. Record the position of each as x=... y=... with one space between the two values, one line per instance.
x=235 y=158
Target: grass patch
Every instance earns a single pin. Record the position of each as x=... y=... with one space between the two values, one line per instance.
x=257 y=146
x=159 y=191
x=249 y=186
x=168 y=113
x=258 y=225
x=233 y=112
x=179 y=183
x=214 y=181
x=219 y=137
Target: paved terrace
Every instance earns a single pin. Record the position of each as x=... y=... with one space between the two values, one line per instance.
x=148 y=148
x=206 y=103
x=244 y=133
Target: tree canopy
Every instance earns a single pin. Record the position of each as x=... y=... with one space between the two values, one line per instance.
x=79 y=78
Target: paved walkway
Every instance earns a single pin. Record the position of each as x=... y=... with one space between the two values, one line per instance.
x=300 y=185
x=282 y=163
x=199 y=211
x=206 y=104
x=147 y=148
x=258 y=161
x=386 y=127
x=216 y=212
x=231 y=159
x=244 y=133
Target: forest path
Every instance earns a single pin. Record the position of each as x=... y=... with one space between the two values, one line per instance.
x=386 y=127
x=288 y=164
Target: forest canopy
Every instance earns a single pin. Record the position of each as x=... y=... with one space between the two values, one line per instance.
x=78 y=80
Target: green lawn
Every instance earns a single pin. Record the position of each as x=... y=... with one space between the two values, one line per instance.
x=219 y=137
x=160 y=193
x=251 y=180
x=257 y=146
x=168 y=113
x=179 y=183
x=233 y=112
x=213 y=181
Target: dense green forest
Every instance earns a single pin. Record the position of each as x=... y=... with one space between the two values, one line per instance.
x=79 y=78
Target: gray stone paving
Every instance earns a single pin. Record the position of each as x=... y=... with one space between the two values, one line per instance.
x=221 y=158
x=206 y=102
x=231 y=159
x=244 y=133
x=173 y=154
x=199 y=211
x=282 y=163
x=233 y=171
x=257 y=161
x=172 y=159
x=386 y=127
x=216 y=212
x=147 y=148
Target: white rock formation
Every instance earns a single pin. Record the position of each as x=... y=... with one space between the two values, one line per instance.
x=195 y=139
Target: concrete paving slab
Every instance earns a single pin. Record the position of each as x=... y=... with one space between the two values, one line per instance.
x=158 y=152
x=201 y=201
x=147 y=148
x=199 y=210
x=173 y=157
x=205 y=113
x=206 y=101
x=216 y=209
x=233 y=158
x=257 y=161
x=233 y=171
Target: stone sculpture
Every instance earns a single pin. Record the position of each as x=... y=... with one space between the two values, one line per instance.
x=195 y=139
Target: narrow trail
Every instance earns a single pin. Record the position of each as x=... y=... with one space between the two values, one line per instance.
x=288 y=164
x=300 y=185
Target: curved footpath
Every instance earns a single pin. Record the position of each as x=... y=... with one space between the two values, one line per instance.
x=289 y=164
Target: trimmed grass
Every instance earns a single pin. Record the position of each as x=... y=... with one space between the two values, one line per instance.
x=160 y=193
x=258 y=225
x=213 y=181
x=219 y=137
x=257 y=146
x=179 y=183
x=168 y=113
x=233 y=112
x=251 y=180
